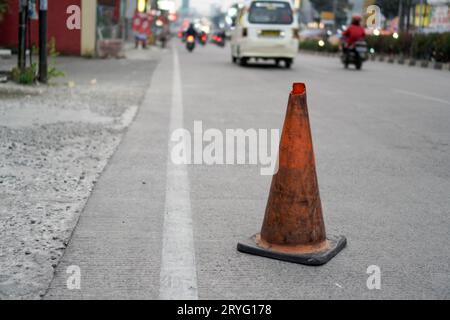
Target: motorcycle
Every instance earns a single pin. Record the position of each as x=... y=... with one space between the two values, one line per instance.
x=357 y=54
x=190 y=43
x=203 y=39
x=219 y=39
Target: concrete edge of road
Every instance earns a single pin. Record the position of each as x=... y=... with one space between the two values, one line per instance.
x=13 y=88
x=392 y=60
x=5 y=53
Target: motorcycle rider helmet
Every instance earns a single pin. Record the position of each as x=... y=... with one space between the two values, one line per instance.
x=356 y=19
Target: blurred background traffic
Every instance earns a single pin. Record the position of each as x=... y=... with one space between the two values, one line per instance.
x=418 y=29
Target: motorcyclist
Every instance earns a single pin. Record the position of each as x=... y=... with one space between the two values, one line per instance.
x=190 y=31
x=203 y=37
x=354 y=51
x=354 y=33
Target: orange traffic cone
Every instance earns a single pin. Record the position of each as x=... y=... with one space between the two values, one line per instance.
x=293 y=228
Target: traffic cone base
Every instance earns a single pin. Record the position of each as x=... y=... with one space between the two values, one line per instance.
x=296 y=249
x=311 y=255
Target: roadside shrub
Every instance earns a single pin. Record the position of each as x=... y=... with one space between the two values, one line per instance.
x=27 y=76
x=431 y=46
x=313 y=45
x=390 y=45
x=419 y=46
x=3 y=8
x=310 y=45
x=424 y=45
x=53 y=72
x=442 y=49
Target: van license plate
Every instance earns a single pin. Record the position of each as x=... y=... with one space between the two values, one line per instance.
x=270 y=33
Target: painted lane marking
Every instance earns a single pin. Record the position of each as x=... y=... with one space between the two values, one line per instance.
x=417 y=95
x=178 y=277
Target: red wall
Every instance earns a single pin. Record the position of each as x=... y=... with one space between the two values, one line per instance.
x=67 y=41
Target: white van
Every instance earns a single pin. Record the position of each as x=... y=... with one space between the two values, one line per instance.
x=265 y=29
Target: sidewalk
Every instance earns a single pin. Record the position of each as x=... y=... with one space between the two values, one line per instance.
x=54 y=143
x=117 y=242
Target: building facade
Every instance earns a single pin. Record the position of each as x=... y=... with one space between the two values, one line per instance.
x=75 y=25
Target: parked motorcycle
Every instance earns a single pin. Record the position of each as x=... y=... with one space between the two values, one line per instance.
x=190 y=43
x=357 y=54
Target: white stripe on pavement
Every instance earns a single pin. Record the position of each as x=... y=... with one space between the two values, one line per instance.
x=417 y=95
x=178 y=278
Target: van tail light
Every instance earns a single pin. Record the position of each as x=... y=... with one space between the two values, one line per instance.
x=244 y=32
x=295 y=34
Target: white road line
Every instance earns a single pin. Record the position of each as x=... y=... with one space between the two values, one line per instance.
x=178 y=278
x=409 y=93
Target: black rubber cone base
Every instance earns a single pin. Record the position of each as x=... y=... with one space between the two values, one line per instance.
x=310 y=259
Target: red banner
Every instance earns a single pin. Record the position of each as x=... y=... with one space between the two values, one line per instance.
x=142 y=23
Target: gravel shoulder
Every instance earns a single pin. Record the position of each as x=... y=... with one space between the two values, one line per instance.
x=54 y=143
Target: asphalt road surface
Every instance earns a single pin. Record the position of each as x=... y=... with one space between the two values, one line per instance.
x=153 y=229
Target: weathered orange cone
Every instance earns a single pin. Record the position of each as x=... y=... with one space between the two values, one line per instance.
x=293 y=228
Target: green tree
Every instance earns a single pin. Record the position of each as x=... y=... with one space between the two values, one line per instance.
x=342 y=7
x=339 y=7
x=322 y=5
x=389 y=8
x=3 y=7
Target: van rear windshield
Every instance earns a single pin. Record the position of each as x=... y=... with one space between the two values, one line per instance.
x=270 y=12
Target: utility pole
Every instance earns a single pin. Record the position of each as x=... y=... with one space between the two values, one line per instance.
x=335 y=7
x=23 y=12
x=421 y=15
x=43 y=66
x=400 y=16
x=408 y=15
x=154 y=5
